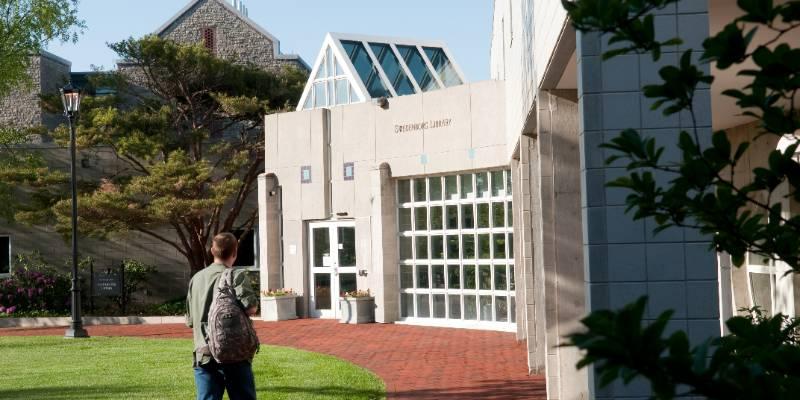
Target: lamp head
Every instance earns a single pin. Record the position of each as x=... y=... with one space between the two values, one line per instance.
x=71 y=99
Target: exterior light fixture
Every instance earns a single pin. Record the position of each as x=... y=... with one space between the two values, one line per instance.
x=71 y=98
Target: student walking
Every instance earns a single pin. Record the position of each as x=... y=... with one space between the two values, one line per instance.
x=224 y=347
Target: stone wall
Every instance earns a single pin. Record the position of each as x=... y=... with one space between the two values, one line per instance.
x=235 y=39
x=53 y=75
x=21 y=108
x=173 y=271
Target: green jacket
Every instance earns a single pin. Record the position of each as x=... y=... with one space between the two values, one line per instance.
x=201 y=294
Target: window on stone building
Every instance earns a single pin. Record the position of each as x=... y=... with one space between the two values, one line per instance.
x=5 y=255
x=209 y=38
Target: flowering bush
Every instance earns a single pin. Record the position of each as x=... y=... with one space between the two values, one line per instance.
x=277 y=293
x=357 y=293
x=34 y=286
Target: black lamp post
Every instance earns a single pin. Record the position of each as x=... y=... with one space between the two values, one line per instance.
x=71 y=98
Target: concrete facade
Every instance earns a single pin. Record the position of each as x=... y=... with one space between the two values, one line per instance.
x=366 y=136
x=676 y=269
x=580 y=250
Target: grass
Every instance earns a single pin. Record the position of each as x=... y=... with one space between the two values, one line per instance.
x=55 y=368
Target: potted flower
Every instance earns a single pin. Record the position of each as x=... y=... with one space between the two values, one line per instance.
x=278 y=304
x=358 y=307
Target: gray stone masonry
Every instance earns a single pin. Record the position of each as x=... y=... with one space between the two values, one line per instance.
x=235 y=39
x=22 y=108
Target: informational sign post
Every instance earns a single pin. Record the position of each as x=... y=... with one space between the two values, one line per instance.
x=108 y=283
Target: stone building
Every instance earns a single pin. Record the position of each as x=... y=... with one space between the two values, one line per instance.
x=48 y=72
x=226 y=30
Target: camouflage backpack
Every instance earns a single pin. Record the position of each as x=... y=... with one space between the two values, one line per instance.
x=231 y=336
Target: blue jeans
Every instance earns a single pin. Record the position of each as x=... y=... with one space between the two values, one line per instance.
x=213 y=379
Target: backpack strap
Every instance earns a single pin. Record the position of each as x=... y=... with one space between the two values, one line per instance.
x=229 y=271
x=226 y=279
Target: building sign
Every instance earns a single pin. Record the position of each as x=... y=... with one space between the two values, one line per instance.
x=418 y=126
x=107 y=283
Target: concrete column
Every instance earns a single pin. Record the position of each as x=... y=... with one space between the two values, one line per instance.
x=269 y=232
x=384 y=277
x=623 y=259
x=527 y=223
x=519 y=250
x=561 y=256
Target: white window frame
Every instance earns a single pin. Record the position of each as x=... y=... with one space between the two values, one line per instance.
x=472 y=199
x=329 y=78
x=334 y=270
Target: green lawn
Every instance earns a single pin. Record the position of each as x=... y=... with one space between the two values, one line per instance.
x=54 y=368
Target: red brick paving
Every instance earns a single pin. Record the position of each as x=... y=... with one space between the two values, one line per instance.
x=415 y=362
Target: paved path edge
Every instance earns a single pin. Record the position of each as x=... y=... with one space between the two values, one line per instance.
x=47 y=322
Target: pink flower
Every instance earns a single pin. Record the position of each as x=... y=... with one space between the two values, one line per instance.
x=2 y=309
x=11 y=309
x=40 y=290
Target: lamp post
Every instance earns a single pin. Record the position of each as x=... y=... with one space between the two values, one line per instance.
x=71 y=98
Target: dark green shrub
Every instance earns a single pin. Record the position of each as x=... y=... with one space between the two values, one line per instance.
x=34 y=286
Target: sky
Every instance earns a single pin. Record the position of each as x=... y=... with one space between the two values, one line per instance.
x=300 y=25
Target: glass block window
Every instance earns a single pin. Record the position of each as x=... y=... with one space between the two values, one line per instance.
x=455 y=243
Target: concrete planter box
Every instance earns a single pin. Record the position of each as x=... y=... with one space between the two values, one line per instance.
x=279 y=308
x=357 y=310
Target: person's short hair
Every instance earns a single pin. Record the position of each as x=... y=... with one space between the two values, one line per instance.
x=224 y=245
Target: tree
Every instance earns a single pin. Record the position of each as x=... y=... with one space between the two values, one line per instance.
x=22 y=166
x=26 y=27
x=188 y=128
x=761 y=356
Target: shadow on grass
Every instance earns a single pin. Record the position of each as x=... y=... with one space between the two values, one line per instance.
x=94 y=392
x=493 y=389
x=329 y=391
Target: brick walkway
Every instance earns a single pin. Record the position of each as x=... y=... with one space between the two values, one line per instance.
x=414 y=362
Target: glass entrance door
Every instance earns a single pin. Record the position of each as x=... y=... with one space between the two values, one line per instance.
x=332 y=246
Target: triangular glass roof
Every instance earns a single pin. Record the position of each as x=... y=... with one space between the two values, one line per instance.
x=357 y=68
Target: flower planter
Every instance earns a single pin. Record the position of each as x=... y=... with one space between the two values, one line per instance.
x=357 y=310
x=278 y=308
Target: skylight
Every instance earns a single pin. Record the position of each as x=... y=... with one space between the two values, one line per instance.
x=353 y=68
